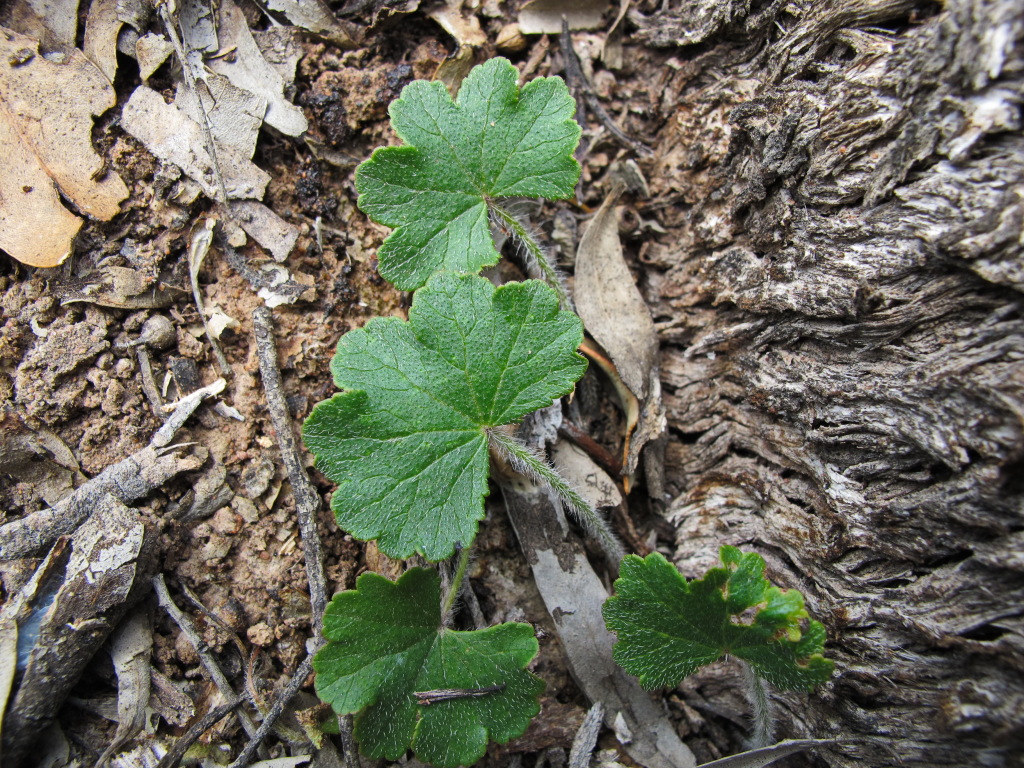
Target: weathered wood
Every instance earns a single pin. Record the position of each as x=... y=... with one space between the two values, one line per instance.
x=843 y=372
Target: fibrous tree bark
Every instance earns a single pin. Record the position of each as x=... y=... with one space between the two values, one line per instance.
x=839 y=302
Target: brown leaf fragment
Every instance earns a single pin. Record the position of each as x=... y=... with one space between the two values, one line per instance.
x=118 y=288
x=315 y=16
x=34 y=227
x=609 y=303
x=46 y=113
x=102 y=26
x=617 y=316
x=248 y=70
x=266 y=227
x=151 y=51
x=54 y=22
x=545 y=16
x=169 y=134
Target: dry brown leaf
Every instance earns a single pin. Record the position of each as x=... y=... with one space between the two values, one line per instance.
x=316 y=16
x=102 y=26
x=585 y=475
x=46 y=112
x=545 y=16
x=615 y=314
x=54 y=22
x=169 y=134
x=248 y=70
x=151 y=51
x=266 y=227
x=607 y=299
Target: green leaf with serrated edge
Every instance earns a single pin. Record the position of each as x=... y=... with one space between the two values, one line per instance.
x=668 y=627
x=407 y=443
x=386 y=644
x=493 y=141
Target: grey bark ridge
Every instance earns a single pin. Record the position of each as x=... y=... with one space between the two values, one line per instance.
x=94 y=577
x=847 y=270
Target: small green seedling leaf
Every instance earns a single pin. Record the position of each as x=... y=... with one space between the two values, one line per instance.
x=668 y=627
x=494 y=141
x=441 y=692
x=407 y=443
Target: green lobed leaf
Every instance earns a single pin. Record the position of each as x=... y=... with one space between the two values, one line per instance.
x=494 y=140
x=668 y=627
x=385 y=644
x=407 y=443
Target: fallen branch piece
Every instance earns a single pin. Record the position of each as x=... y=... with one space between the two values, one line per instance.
x=127 y=480
x=106 y=565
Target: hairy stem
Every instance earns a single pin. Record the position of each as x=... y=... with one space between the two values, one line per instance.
x=762 y=710
x=533 y=466
x=456 y=585
x=535 y=252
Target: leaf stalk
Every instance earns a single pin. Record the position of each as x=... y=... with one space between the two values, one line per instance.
x=761 y=707
x=526 y=462
x=456 y=585
x=536 y=255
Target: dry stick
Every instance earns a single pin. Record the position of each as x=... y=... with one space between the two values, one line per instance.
x=307 y=500
x=586 y=737
x=202 y=650
x=574 y=74
x=274 y=712
x=348 y=743
x=156 y=403
x=128 y=480
x=191 y=736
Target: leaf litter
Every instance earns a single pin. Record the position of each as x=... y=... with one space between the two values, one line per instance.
x=267 y=516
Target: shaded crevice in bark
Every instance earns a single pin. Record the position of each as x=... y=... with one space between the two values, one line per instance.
x=843 y=368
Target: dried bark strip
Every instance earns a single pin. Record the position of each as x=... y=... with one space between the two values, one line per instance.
x=105 y=572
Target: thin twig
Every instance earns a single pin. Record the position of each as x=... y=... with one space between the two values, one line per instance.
x=275 y=711
x=348 y=744
x=307 y=500
x=574 y=74
x=128 y=480
x=148 y=382
x=201 y=648
x=191 y=736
